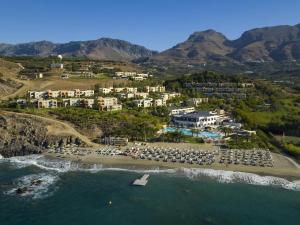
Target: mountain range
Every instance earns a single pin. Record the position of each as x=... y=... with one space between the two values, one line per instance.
x=277 y=43
x=103 y=49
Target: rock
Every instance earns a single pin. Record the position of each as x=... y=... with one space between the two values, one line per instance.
x=22 y=190
x=22 y=136
x=36 y=182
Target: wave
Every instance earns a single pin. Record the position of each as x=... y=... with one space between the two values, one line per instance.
x=242 y=177
x=54 y=168
x=222 y=176
x=62 y=166
x=40 y=162
x=36 y=186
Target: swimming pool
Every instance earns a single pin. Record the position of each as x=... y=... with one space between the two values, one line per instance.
x=188 y=132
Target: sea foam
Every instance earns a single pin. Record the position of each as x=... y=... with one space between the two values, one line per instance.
x=35 y=191
x=242 y=177
x=62 y=166
x=222 y=176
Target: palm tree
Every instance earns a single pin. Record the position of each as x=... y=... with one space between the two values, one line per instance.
x=226 y=130
x=177 y=135
x=194 y=131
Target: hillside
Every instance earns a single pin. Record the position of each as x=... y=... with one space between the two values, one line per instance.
x=8 y=73
x=103 y=49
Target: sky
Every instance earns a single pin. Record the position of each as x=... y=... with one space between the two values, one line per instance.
x=155 y=24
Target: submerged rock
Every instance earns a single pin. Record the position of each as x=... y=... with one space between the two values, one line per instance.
x=36 y=182
x=22 y=190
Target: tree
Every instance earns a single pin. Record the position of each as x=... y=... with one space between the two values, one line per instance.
x=194 y=131
x=226 y=130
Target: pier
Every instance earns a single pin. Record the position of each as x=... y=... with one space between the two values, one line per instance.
x=141 y=181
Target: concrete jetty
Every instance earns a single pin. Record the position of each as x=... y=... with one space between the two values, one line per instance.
x=141 y=181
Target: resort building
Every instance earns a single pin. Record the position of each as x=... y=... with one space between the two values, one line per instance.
x=144 y=103
x=141 y=95
x=219 y=84
x=77 y=93
x=66 y=94
x=38 y=75
x=126 y=95
x=184 y=110
x=60 y=93
x=36 y=94
x=149 y=102
x=105 y=90
x=131 y=89
x=108 y=104
x=197 y=101
x=196 y=119
x=88 y=102
x=83 y=93
x=224 y=89
x=125 y=74
x=118 y=89
x=136 y=78
x=132 y=75
x=143 y=75
x=53 y=94
x=159 y=102
x=87 y=93
x=50 y=103
x=57 y=66
x=169 y=96
x=156 y=89
x=71 y=102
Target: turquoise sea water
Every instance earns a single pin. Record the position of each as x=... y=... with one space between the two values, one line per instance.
x=70 y=195
x=188 y=132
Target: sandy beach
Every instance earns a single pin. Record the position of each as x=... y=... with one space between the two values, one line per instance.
x=283 y=166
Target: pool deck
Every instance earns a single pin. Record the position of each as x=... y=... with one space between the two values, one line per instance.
x=188 y=132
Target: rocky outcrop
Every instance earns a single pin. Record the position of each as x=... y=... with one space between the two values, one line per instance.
x=23 y=136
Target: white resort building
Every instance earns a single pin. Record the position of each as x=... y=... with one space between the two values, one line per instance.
x=183 y=110
x=109 y=104
x=196 y=119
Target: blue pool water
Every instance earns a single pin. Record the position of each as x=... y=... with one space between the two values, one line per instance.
x=188 y=132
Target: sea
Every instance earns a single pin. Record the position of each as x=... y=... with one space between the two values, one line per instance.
x=78 y=194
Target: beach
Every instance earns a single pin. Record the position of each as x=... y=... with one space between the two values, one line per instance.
x=283 y=166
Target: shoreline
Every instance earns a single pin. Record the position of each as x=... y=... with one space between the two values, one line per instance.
x=290 y=173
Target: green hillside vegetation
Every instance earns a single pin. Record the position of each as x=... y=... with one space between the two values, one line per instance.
x=133 y=124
